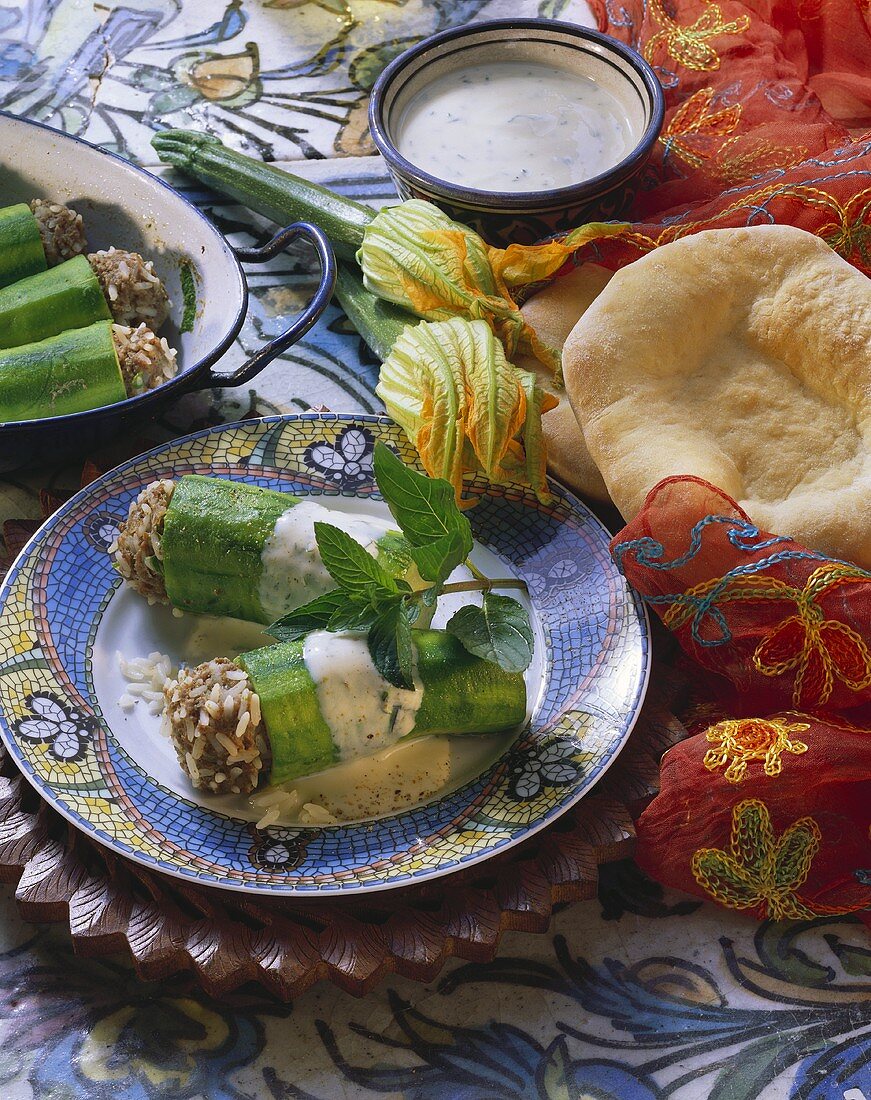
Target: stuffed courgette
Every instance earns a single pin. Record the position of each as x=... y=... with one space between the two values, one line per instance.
x=222 y=547
x=295 y=708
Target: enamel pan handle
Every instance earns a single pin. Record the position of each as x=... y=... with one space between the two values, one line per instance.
x=301 y=324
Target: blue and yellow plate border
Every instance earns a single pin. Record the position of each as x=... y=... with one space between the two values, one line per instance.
x=51 y=602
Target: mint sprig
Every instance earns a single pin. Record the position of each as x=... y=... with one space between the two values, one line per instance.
x=426 y=510
x=390 y=645
x=352 y=567
x=315 y=615
x=438 y=538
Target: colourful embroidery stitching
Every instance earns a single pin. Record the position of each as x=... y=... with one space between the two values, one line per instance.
x=818 y=649
x=688 y=46
x=695 y=133
x=848 y=233
x=739 y=158
x=738 y=741
x=760 y=871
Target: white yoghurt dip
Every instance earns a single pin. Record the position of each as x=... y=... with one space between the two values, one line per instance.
x=365 y=712
x=514 y=126
x=293 y=572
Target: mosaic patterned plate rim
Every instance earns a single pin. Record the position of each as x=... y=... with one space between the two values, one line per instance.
x=543 y=774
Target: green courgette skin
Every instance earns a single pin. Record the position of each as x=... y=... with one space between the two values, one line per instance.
x=380 y=323
x=64 y=297
x=299 y=738
x=462 y=694
x=282 y=197
x=276 y=194
x=21 y=251
x=213 y=535
x=69 y=373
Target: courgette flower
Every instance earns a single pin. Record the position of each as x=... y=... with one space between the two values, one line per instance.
x=413 y=254
x=465 y=407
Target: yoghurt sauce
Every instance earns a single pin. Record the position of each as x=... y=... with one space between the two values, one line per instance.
x=293 y=572
x=514 y=126
x=365 y=712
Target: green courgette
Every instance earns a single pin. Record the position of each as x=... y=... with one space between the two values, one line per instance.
x=271 y=192
x=462 y=694
x=214 y=534
x=64 y=297
x=21 y=251
x=407 y=266
x=282 y=197
x=379 y=323
x=299 y=739
x=69 y=373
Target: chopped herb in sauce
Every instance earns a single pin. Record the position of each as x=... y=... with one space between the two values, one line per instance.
x=514 y=126
x=189 y=296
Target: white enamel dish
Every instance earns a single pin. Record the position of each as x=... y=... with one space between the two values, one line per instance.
x=125 y=206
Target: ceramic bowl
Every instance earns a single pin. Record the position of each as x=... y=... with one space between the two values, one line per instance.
x=504 y=217
x=130 y=208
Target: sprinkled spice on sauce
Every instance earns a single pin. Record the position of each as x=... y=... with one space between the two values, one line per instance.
x=514 y=126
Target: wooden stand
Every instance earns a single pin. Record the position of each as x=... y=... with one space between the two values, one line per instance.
x=225 y=939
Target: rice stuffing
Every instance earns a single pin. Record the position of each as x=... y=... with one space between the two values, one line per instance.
x=146 y=677
x=146 y=360
x=137 y=551
x=132 y=288
x=213 y=717
x=61 y=229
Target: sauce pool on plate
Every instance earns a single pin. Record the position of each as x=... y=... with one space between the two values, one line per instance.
x=514 y=126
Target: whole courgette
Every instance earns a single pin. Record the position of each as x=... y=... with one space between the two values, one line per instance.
x=271 y=192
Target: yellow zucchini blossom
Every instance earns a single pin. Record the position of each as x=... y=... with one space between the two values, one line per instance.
x=413 y=254
x=464 y=406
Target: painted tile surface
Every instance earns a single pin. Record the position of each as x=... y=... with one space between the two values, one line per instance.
x=279 y=79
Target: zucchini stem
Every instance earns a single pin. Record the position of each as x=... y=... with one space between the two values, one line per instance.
x=380 y=323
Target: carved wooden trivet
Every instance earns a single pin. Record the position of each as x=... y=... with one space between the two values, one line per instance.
x=226 y=939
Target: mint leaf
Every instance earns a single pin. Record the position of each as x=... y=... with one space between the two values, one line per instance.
x=394 y=552
x=499 y=632
x=390 y=645
x=438 y=559
x=315 y=615
x=426 y=510
x=354 y=570
x=353 y=616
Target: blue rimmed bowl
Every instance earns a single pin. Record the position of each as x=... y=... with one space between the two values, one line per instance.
x=505 y=217
x=125 y=206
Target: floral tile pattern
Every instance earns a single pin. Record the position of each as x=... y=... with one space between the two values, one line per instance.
x=278 y=79
x=639 y=996
x=634 y=1008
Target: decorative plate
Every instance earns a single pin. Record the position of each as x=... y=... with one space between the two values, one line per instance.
x=63 y=617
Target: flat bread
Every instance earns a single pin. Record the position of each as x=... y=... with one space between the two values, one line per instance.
x=553 y=313
x=742 y=356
